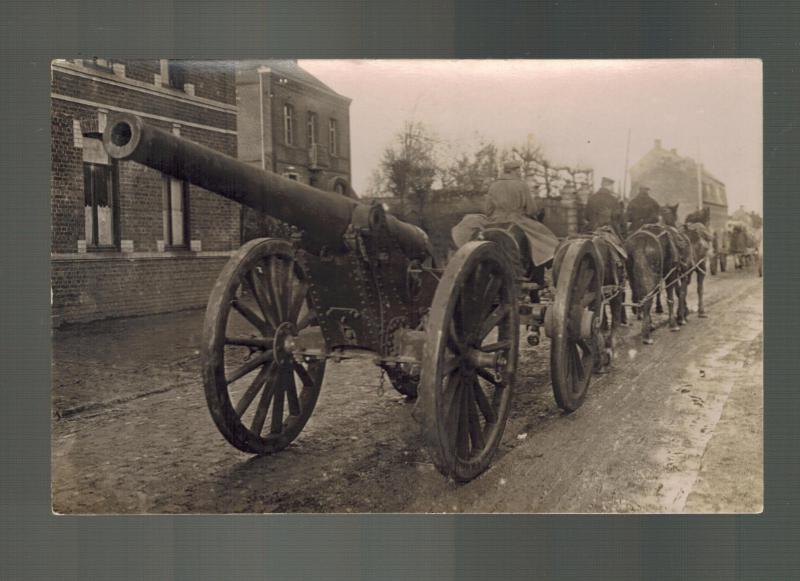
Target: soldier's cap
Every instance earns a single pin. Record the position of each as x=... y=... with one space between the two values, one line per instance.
x=511 y=165
x=607 y=182
x=644 y=190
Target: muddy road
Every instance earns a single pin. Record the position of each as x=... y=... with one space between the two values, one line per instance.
x=675 y=427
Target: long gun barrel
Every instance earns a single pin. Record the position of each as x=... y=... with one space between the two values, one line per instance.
x=323 y=216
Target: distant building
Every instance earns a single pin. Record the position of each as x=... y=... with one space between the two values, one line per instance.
x=292 y=123
x=752 y=219
x=125 y=239
x=673 y=179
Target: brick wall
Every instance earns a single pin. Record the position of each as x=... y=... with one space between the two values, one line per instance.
x=143 y=71
x=88 y=289
x=148 y=280
x=70 y=85
x=66 y=179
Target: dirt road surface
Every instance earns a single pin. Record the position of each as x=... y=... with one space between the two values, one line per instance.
x=675 y=427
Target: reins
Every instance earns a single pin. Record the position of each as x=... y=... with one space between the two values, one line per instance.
x=662 y=285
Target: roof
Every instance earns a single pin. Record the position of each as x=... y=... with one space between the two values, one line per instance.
x=290 y=69
x=715 y=195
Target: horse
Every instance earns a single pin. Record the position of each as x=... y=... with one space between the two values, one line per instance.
x=683 y=251
x=696 y=230
x=652 y=261
x=612 y=256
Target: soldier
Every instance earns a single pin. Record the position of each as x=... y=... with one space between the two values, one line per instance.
x=509 y=201
x=603 y=208
x=642 y=210
x=603 y=217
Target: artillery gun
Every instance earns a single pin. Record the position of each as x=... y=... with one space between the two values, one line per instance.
x=357 y=283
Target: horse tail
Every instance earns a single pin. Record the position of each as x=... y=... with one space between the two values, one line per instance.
x=644 y=264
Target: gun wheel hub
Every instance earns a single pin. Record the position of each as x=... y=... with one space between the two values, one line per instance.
x=283 y=345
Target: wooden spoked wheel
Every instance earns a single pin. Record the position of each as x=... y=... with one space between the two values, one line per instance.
x=470 y=360
x=259 y=395
x=572 y=322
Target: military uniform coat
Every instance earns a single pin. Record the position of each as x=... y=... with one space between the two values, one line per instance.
x=642 y=210
x=603 y=209
x=510 y=201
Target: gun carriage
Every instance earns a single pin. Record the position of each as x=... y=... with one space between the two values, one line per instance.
x=357 y=283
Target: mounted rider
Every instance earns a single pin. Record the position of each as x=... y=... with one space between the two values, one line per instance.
x=510 y=201
x=642 y=209
x=603 y=218
x=603 y=208
x=603 y=215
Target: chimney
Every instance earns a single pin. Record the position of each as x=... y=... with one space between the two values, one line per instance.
x=658 y=144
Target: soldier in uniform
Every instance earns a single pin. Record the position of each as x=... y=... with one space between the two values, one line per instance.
x=603 y=208
x=642 y=210
x=509 y=201
x=603 y=218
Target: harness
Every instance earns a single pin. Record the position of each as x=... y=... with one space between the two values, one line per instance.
x=644 y=230
x=694 y=265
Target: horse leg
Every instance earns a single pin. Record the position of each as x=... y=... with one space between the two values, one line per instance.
x=607 y=356
x=623 y=312
x=682 y=290
x=647 y=324
x=659 y=308
x=671 y=292
x=701 y=311
x=617 y=310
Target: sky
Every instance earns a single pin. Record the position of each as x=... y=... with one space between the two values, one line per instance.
x=579 y=111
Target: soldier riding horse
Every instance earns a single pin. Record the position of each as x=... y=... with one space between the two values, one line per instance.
x=604 y=225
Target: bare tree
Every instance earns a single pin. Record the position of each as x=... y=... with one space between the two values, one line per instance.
x=473 y=173
x=409 y=168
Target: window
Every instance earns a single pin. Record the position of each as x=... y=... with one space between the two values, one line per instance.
x=100 y=188
x=176 y=214
x=311 y=129
x=98 y=205
x=288 y=124
x=333 y=137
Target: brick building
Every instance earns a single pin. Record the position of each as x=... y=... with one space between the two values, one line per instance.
x=675 y=179
x=127 y=240
x=291 y=123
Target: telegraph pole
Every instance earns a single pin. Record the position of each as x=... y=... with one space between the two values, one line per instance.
x=699 y=166
x=699 y=185
x=625 y=173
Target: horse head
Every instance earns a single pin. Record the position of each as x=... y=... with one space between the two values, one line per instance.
x=670 y=214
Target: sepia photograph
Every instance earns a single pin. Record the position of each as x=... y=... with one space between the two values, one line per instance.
x=406 y=286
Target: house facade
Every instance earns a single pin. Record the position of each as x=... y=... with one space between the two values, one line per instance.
x=293 y=124
x=127 y=240
x=676 y=179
